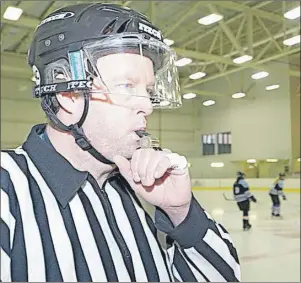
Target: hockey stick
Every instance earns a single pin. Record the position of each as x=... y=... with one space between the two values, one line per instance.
x=226 y=198
x=231 y=199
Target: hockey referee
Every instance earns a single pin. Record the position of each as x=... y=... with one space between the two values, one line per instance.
x=69 y=195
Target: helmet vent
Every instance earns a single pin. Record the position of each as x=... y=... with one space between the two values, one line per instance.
x=109 y=9
x=110 y=27
x=124 y=26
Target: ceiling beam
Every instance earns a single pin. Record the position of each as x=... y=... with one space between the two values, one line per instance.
x=24 y=21
x=238 y=6
x=229 y=21
x=260 y=62
x=211 y=57
x=225 y=28
x=181 y=18
x=226 y=58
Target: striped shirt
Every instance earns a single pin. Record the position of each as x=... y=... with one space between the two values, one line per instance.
x=57 y=224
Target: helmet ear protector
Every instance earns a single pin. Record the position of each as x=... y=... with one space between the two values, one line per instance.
x=68 y=43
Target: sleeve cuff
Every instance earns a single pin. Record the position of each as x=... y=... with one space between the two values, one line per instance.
x=192 y=229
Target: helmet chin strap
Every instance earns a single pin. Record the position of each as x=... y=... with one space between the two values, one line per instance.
x=76 y=130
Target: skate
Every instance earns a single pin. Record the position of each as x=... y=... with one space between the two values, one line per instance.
x=247 y=227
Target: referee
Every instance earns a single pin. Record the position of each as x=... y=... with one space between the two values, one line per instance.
x=70 y=208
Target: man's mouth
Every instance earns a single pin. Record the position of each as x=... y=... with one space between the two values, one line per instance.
x=141 y=133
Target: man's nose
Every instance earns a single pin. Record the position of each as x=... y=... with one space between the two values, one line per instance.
x=144 y=105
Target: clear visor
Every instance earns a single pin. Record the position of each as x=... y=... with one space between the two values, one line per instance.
x=129 y=69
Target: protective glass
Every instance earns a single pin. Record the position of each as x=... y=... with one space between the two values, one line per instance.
x=130 y=68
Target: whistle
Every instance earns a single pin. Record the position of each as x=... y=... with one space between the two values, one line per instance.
x=147 y=141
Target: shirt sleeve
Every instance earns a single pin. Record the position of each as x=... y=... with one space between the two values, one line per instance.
x=7 y=230
x=199 y=249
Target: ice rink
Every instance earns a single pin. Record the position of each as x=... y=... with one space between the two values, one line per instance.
x=270 y=251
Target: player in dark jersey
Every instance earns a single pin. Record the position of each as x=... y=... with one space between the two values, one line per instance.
x=242 y=196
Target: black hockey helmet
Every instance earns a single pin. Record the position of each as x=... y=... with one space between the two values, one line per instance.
x=67 y=44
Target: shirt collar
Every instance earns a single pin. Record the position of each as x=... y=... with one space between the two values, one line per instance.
x=61 y=177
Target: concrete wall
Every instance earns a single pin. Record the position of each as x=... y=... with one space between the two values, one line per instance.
x=260 y=123
x=295 y=116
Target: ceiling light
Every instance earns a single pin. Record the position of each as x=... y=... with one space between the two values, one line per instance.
x=33 y=78
x=272 y=160
x=242 y=59
x=197 y=75
x=292 y=41
x=251 y=161
x=298 y=159
x=189 y=95
x=12 y=13
x=168 y=42
x=293 y=14
x=259 y=75
x=210 y=19
x=208 y=102
x=217 y=164
x=271 y=87
x=238 y=95
x=183 y=62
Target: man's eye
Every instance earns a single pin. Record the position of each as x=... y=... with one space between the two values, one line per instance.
x=127 y=85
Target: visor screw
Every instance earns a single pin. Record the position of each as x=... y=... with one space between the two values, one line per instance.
x=47 y=42
x=61 y=37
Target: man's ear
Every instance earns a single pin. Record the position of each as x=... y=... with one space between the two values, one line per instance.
x=66 y=101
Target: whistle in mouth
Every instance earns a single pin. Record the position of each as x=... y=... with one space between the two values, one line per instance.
x=147 y=141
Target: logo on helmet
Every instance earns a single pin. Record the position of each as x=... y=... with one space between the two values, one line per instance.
x=60 y=16
x=37 y=76
x=151 y=31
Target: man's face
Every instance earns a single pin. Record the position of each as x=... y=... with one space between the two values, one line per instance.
x=111 y=126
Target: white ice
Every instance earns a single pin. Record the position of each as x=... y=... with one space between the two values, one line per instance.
x=270 y=251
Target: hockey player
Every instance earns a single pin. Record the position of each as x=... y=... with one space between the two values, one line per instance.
x=276 y=190
x=242 y=195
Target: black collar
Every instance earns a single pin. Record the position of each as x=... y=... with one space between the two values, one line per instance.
x=61 y=177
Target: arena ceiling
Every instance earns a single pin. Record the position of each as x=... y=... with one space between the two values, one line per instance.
x=255 y=28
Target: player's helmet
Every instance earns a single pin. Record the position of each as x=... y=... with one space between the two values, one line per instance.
x=67 y=44
x=240 y=174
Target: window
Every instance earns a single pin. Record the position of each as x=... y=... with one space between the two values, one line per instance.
x=224 y=145
x=208 y=144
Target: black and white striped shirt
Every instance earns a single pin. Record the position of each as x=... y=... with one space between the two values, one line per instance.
x=57 y=224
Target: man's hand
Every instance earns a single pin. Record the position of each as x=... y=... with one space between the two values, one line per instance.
x=150 y=175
